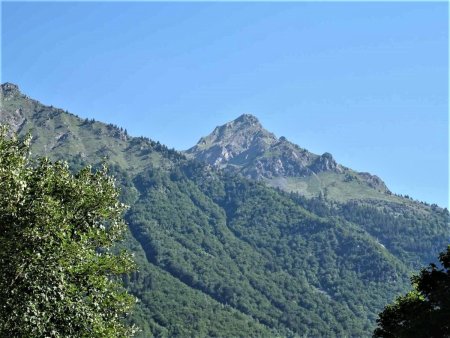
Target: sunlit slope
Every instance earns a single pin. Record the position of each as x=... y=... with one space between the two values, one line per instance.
x=221 y=255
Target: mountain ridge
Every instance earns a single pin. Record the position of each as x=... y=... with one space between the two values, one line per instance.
x=256 y=154
x=245 y=147
x=222 y=255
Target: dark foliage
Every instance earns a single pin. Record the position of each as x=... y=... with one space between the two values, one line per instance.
x=423 y=312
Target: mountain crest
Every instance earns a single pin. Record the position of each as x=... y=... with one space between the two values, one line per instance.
x=246 y=123
x=246 y=118
x=233 y=141
x=244 y=146
x=9 y=90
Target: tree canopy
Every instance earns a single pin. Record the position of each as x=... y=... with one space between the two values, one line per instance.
x=59 y=271
x=424 y=311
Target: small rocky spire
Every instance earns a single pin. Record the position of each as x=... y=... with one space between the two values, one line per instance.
x=9 y=89
x=247 y=118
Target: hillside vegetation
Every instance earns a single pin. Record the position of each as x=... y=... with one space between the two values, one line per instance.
x=220 y=254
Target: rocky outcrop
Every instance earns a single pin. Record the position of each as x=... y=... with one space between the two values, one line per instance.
x=374 y=182
x=244 y=146
x=325 y=162
x=234 y=142
x=14 y=119
x=9 y=90
x=265 y=167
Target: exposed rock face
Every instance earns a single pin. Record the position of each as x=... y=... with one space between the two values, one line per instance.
x=244 y=146
x=16 y=119
x=325 y=162
x=9 y=90
x=234 y=142
x=374 y=181
x=244 y=143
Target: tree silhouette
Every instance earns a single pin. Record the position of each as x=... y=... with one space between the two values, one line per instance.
x=424 y=311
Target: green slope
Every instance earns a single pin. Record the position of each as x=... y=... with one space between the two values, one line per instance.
x=288 y=268
x=168 y=307
x=219 y=255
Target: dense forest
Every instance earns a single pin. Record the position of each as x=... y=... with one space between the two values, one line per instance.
x=222 y=255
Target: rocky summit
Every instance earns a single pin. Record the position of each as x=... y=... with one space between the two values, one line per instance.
x=235 y=142
x=244 y=146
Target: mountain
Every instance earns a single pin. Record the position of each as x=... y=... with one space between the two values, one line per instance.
x=244 y=146
x=223 y=255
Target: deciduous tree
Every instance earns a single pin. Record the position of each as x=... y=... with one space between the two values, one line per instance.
x=59 y=272
x=423 y=312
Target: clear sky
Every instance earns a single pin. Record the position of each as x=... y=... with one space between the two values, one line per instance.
x=367 y=82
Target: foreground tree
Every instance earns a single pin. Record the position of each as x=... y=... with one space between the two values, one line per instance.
x=423 y=312
x=59 y=274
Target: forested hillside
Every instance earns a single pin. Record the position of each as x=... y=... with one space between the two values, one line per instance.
x=222 y=255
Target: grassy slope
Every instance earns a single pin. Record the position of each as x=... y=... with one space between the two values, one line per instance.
x=220 y=256
x=332 y=186
x=169 y=307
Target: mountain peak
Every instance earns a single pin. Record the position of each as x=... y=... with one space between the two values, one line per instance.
x=9 y=89
x=246 y=122
x=229 y=142
x=244 y=146
x=247 y=118
x=242 y=130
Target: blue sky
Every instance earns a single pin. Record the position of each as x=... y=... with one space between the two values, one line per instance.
x=367 y=82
